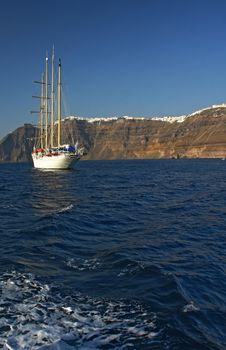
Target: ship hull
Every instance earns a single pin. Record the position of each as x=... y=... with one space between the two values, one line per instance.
x=60 y=162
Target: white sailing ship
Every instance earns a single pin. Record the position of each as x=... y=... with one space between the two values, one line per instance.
x=46 y=154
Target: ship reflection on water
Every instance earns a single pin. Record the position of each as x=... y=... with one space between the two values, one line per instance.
x=52 y=191
x=44 y=232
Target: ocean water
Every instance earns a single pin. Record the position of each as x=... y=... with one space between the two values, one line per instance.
x=113 y=255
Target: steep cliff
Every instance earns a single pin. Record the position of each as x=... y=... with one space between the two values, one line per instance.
x=202 y=134
x=17 y=145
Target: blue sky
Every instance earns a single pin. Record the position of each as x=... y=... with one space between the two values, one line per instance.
x=119 y=57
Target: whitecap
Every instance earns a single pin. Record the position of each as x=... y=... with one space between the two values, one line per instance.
x=190 y=307
x=67 y=208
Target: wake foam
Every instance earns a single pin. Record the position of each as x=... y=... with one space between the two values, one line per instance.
x=36 y=316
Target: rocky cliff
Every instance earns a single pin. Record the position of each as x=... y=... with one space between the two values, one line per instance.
x=202 y=135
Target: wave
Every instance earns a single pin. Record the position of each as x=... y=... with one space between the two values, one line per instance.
x=83 y=264
x=33 y=316
x=67 y=208
x=190 y=307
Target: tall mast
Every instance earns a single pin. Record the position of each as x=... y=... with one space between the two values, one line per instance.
x=41 y=111
x=46 y=105
x=52 y=101
x=59 y=103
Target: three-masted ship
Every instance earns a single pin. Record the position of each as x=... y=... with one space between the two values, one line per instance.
x=49 y=153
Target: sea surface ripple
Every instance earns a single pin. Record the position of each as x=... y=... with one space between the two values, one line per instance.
x=113 y=255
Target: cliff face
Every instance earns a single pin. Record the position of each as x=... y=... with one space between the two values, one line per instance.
x=202 y=135
x=17 y=145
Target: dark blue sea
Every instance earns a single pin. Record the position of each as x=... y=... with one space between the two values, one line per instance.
x=113 y=255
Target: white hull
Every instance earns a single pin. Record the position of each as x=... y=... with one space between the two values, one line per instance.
x=60 y=161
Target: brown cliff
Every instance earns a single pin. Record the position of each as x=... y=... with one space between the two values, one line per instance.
x=202 y=135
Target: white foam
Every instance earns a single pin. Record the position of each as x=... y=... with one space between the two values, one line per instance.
x=69 y=207
x=190 y=307
x=83 y=264
x=37 y=318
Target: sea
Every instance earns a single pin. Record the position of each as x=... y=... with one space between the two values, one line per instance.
x=114 y=255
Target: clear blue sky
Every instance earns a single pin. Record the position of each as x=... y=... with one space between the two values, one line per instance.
x=120 y=57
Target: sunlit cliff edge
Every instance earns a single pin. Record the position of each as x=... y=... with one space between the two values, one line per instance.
x=201 y=134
